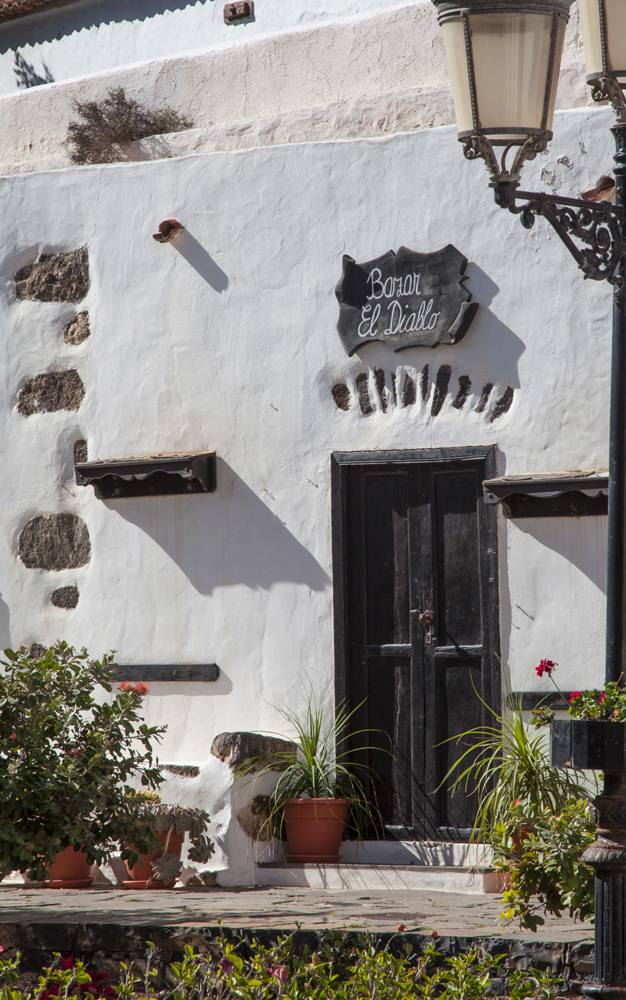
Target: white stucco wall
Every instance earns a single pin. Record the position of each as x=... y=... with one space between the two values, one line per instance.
x=380 y=72
x=227 y=340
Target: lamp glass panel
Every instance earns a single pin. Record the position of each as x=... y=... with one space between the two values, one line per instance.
x=511 y=63
x=454 y=44
x=615 y=33
x=590 y=26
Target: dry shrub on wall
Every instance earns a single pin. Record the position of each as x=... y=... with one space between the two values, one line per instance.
x=105 y=127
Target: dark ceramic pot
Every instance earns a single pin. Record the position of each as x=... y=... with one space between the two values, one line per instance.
x=600 y=746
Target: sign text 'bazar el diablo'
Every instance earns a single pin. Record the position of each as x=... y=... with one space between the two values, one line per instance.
x=405 y=299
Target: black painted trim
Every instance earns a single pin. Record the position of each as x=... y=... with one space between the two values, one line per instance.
x=167 y=672
x=528 y=700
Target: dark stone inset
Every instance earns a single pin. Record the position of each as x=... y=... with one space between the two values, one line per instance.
x=55 y=277
x=409 y=391
x=341 y=395
x=37 y=651
x=394 y=388
x=441 y=388
x=363 y=394
x=51 y=391
x=65 y=597
x=484 y=397
x=424 y=383
x=77 y=329
x=236 y=749
x=465 y=384
x=379 y=379
x=255 y=818
x=54 y=542
x=503 y=405
x=182 y=770
x=80 y=451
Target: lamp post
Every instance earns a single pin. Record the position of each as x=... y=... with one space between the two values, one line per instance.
x=503 y=58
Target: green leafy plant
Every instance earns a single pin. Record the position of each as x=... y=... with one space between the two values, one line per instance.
x=169 y=819
x=105 y=127
x=341 y=969
x=318 y=766
x=67 y=759
x=544 y=867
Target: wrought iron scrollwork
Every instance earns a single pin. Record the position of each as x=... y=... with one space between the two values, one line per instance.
x=607 y=88
x=598 y=225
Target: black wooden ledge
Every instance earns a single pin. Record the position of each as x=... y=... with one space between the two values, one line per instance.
x=167 y=672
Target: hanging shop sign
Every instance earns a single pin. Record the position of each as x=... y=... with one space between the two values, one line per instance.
x=405 y=299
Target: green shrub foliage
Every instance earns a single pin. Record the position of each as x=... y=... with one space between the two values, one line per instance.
x=341 y=969
x=66 y=759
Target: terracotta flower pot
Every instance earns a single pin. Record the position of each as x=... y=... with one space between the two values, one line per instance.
x=314 y=829
x=141 y=873
x=69 y=870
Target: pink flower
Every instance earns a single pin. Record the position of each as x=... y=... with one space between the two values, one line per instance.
x=602 y=697
x=545 y=667
x=575 y=695
x=280 y=973
x=227 y=966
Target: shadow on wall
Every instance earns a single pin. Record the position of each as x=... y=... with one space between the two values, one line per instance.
x=27 y=76
x=581 y=541
x=5 y=625
x=225 y=538
x=48 y=25
x=202 y=262
x=496 y=350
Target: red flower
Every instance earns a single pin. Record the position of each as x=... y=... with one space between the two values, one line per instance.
x=13 y=736
x=602 y=697
x=545 y=667
x=401 y=928
x=67 y=963
x=139 y=688
x=575 y=695
x=280 y=973
x=227 y=966
x=75 y=753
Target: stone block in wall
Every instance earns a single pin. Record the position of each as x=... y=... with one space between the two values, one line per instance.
x=55 y=542
x=77 y=329
x=65 y=597
x=254 y=818
x=236 y=749
x=54 y=277
x=51 y=391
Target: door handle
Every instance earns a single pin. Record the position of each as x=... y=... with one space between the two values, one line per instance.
x=426 y=618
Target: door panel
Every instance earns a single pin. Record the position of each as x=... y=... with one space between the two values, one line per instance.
x=412 y=537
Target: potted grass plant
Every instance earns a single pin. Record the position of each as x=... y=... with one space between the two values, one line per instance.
x=320 y=789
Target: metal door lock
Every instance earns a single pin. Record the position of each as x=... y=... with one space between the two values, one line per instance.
x=426 y=618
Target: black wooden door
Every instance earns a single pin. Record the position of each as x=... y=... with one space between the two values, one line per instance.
x=416 y=614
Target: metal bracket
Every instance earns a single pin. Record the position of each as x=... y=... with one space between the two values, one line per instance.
x=599 y=225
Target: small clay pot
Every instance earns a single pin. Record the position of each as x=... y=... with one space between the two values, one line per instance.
x=141 y=873
x=69 y=870
x=314 y=829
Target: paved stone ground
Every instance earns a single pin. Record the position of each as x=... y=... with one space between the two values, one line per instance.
x=450 y=914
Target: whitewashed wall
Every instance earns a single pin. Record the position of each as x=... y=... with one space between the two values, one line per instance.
x=227 y=340
x=366 y=73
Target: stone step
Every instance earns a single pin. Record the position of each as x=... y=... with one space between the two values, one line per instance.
x=441 y=878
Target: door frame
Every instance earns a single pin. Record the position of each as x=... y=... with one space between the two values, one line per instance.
x=340 y=462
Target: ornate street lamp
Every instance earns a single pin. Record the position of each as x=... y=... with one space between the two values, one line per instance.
x=504 y=58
